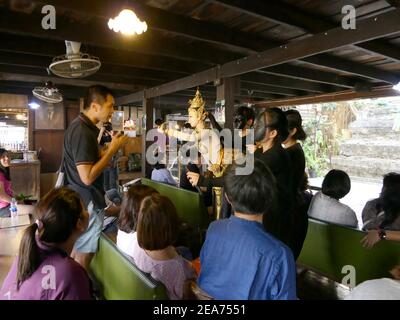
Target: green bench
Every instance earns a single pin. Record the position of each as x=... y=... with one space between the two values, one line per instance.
x=190 y=209
x=329 y=247
x=119 y=279
x=189 y=205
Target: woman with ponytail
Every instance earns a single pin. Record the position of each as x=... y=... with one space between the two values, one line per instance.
x=43 y=269
x=270 y=131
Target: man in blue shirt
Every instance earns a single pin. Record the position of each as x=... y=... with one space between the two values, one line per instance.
x=239 y=259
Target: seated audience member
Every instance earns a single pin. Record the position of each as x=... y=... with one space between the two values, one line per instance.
x=378 y=289
x=162 y=140
x=325 y=205
x=126 y=236
x=158 y=122
x=384 y=212
x=374 y=236
x=239 y=259
x=161 y=174
x=43 y=269
x=154 y=251
x=5 y=184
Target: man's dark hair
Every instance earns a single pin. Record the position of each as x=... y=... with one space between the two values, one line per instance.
x=253 y=193
x=158 y=122
x=389 y=200
x=96 y=93
x=336 y=184
x=242 y=115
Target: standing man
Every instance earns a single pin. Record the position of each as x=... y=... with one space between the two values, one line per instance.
x=84 y=164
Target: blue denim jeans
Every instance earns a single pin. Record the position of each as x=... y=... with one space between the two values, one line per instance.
x=110 y=178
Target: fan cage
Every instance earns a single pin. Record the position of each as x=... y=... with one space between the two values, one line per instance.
x=85 y=66
x=40 y=93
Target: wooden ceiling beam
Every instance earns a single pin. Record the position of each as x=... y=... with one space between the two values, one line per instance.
x=17 y=59
x=310 y=74
x=138 y=83
x=324 y=98
x=264 y=88
x=282 y=82
x=394 y=3
x=340 y=64
x=367 y=29
x=166 y=21
x=97 y=33
x=372 y=28
x=68 y=93
x=52 y=48
x=182 y=25
x=286 y=14
x=63 y=81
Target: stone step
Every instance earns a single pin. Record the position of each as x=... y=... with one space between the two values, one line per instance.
x=373 y=148
x=357 y=166
x=372 y=132
x=372 y=123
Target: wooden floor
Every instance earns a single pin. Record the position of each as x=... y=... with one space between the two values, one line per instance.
x=9 y=245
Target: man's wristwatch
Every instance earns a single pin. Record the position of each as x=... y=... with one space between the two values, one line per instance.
x=382 y=234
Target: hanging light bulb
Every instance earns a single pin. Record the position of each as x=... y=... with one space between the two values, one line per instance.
x=127 y=23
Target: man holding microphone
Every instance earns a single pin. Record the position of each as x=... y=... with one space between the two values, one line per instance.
x=84 y=163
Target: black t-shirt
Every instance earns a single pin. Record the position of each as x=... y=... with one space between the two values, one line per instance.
x=81 y=147
x=296 y=154
x=184 y=181
x=278 y=161
x=280 y=220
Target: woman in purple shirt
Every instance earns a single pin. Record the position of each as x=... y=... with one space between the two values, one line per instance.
x=154 y=251
x=43 y=269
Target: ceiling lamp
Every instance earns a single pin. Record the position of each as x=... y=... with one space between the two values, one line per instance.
x=397 y=87
x=127 y=23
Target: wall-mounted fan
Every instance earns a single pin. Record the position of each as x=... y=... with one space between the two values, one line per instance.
x=74 y=64
x=49 y=93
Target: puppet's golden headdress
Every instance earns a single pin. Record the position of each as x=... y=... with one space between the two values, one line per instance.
x=197 y=103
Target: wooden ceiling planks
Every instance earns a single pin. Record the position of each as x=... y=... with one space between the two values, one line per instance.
x=181 y=52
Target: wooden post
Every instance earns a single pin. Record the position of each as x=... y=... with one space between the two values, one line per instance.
x=148 y=107
x=226 y=96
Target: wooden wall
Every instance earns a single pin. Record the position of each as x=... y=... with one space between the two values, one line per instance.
x=50 y=142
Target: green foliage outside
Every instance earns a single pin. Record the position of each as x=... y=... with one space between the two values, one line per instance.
x=22 y=197
x=315 y=150
x=320 y=145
